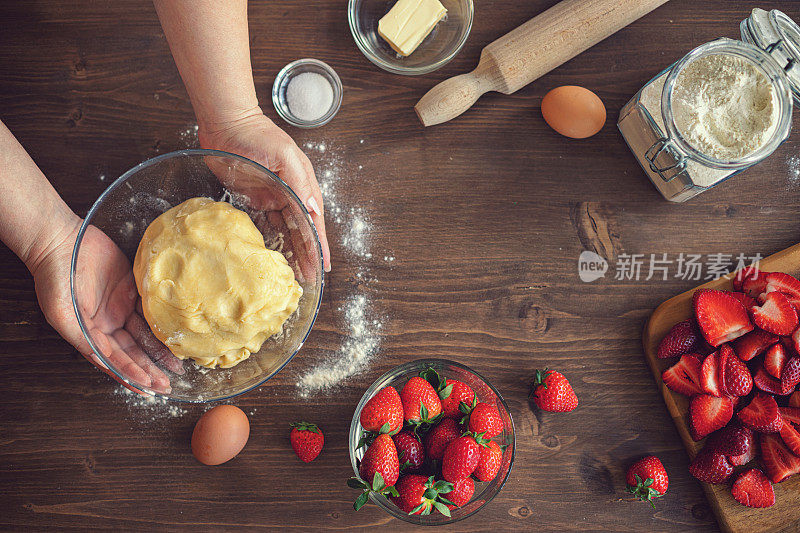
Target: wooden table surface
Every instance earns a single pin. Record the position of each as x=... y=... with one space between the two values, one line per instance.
x=486 y=217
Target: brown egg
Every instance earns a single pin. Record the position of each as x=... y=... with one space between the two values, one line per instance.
x=220 y=434
x=573 y=111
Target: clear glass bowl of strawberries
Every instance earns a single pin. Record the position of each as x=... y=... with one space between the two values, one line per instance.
x=431 y=442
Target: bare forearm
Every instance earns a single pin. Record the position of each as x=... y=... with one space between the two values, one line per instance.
x=210 y=44
x=34 y=217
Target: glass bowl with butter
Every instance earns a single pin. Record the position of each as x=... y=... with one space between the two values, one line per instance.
x=410 y=37
x=267 y=238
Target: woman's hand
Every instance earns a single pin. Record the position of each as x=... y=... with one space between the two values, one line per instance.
x=258 y=138
x=107 y=297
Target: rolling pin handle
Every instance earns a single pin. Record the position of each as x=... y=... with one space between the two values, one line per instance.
x=453 y=96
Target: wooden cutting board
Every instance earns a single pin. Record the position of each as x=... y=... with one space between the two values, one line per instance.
x=732 y=517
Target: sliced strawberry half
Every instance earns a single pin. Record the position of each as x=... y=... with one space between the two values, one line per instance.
x=711 y=467
x=746 y=300
x=784 y=283
x=754 y=286
x=733 y=439
x=766 y=383
x=790 y=437
x=796 y=340
x=753 y=489
x=684 y=376
x=790 y=414
x=681 y=339
x=748 y=455
x=709 y=375
x=707 y=414
x=790 y=376
x=775 y=315
x=720 y=317
x=794 y=399
x=749 y=346
x=775 y=359
x=762 y=414
x=779 y=461
x=738 y=380
x=741 y=275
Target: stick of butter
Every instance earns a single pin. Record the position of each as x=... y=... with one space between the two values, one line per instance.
x=409 y=22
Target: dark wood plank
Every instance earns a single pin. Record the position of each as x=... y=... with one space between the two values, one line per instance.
x=486 y=217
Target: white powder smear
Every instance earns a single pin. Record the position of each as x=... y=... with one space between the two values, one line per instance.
x=361 y=322
x=149 y=407
x=188 y=136
x=793 y=166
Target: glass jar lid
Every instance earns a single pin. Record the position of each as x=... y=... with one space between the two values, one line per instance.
x=779 y=36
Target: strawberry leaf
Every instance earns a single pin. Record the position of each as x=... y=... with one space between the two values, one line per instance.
x=393 y=491
x=377 y=482
x=432 y=376
x=442 y=508
x=361 y=500
x=448 y=502
x=355 y=483
x=423 y=412
x=385 y=428
x=418 y=508
x=445 y=392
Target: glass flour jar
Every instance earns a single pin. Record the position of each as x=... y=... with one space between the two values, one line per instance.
x=680 y=170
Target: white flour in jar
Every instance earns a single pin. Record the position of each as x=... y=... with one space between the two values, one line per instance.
x=723 y=106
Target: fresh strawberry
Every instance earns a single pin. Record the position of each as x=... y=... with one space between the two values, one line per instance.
x=707 y=414
x=421 y=403
x=420 y=495
x=751 y=271
x=711 y=467
x=749 y=454
x=746 y=300
x=709 y=380
x=779 y=462
x=790 y=437
x=485 y=419
x=734 y=439
x=738 y=380
x=794 y=399
x=796 y=340
x=762 y=414
x=380 y=459
x=755 y=286
x=684 y=377
x=306 y=440
x=775 y=359
x=775 y=314
x=790 y=414
x=790 y=376
x=749 y=346
x=410 y=451
x=439 y=437
x=552 y=392
x=462 y=493
x=647 y=479
x=454 y=393
x=784 y=283
x=720 y=317
x=490 y=462
x=461 y=457
x=683 y=338
x=383 y=412
x=723 y=354
x=753 y=489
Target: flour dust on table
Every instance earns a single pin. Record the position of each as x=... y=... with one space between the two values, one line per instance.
x=362 y=322
x=148 y=408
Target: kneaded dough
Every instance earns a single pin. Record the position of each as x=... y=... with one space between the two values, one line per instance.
x=211 y=290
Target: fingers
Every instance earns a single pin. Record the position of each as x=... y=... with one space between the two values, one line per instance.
x=150 y=345
x=158 y=380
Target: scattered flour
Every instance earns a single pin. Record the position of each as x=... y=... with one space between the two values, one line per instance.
x=793 y=165
x=188 y=136
x=149 y=407
x=362 y=323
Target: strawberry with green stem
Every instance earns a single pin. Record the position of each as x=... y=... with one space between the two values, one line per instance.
x=418 y=495
x=378 y=486
x=552 y=392
x=379 y=470
x=306 y=440
x=647 y=479
x=383 y=413
x=422 y=407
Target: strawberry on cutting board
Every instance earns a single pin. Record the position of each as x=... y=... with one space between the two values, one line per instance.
x=708 y=413
x=775 y=314
x=685 y=376
x=779 y=461
x=720 y=317
x=753 y=489
x=683 y=338
x=762 y=414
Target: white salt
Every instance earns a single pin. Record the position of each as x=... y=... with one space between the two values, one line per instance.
x=309 y=96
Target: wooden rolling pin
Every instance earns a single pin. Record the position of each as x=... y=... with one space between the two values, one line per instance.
x=530 y=51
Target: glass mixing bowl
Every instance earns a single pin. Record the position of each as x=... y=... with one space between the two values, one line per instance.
x=485 y=392
x=438 y=48
x=122 y=213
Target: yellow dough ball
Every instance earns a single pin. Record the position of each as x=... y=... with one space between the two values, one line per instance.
x=211 y=290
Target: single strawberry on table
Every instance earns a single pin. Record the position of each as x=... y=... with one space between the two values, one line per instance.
x=720 y=317
x=485 y=418
x=421 y=403
x=647 y=479
x=439 y=437
x=552 y=392
x=681 y=339
x=379 y=470
x=383 y=413
x=420 y=495
x=452 y=395
x=410 y=451
x=461 y=457
x=490 y=461
x=753 y=489
x=306 y=440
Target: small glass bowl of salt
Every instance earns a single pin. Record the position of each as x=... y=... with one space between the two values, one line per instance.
x=307 y=93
